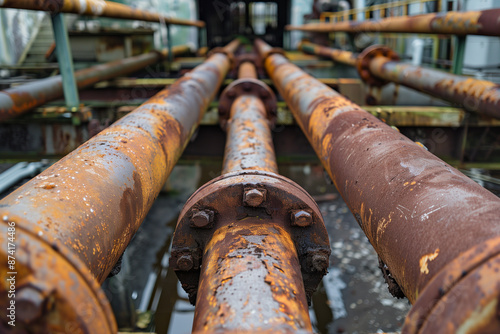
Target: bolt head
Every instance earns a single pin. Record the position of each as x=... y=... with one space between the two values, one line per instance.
x=320 y=262
x=301 y=218
x=202 y=218
x=254 y=197
x=31 y=303
x=185 y=262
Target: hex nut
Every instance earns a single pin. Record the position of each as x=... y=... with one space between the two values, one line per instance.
x=30 y=303
x=185 y=262
x=202 y=218
x=320 y=262
x=301 y=218
x=254 y=197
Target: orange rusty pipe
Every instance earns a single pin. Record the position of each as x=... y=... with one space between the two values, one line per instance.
x=74 y=220
x=421 y=215
x=20 y=99
x=378 y=65
x=251 y=281
x=247 y=70
x=251 y=276
x=100 y=8
x=486 y=22
x=339 y=56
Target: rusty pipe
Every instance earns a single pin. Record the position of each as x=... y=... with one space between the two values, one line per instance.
x=75 y=219
x=250 y=143
x=420 y=214
x=264 y=244
x=99 y=8
x=484 y=23
x=339 y=56
x=20 y=99
x=247 y=70
x=474 y=95
x=378 y=65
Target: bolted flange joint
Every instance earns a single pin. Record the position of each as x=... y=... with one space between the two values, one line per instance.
x=247 y=86
x=364 y=59
x=245 y=194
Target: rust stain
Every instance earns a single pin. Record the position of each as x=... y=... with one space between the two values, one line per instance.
x=424 y=261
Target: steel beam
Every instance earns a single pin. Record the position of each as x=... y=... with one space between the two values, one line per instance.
x=100 y=8
x=20 y=99
x=75 y=219
x=484 y=23
x=433 y=228
x=265 y=246
x=378 y=65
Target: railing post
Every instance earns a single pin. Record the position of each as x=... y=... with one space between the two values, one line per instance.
x=65 y=61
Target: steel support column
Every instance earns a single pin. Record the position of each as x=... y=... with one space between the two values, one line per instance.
x=436 y=231
x=75 y=219
x=20 y=99
x=265 y=246
x=65 y=60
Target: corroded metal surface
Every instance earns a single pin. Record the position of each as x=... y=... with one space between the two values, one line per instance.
x=339 y=56
x=251 y=280
x=418 y=212
x=378 y=65
x=89 y=205
x=96 y=8
x=484 y=22
x=250 y=246
x=247 y=70
x=475 y=95
x=251 y=144
x=18 y=100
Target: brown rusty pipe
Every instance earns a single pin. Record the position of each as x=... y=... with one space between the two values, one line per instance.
x=474 y=95
x=339 y=56
x=420 y=214
x=20 y=99
x=484 y=23
x=75 y=219
x=99 y=8
x=378 y=65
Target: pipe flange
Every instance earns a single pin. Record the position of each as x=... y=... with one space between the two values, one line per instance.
x=222 y=50
x=247 y=86
x=364 y=59
x=459 y=294
x=235 y=196
x=246 y=57
x=54 y=291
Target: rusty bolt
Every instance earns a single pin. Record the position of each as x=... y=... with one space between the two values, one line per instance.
x=202 y=218
x=31 y=303
x=185 y=262
x=301 y=218
x=320 y=262
x=253 y=197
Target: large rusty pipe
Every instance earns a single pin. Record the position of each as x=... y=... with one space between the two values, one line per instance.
x=251 y=278
x=75 y=219
x=377 y=65
x=100 y=8
x=20 y=99
x=339 y=56
x=421 y=215
x=484 y=22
